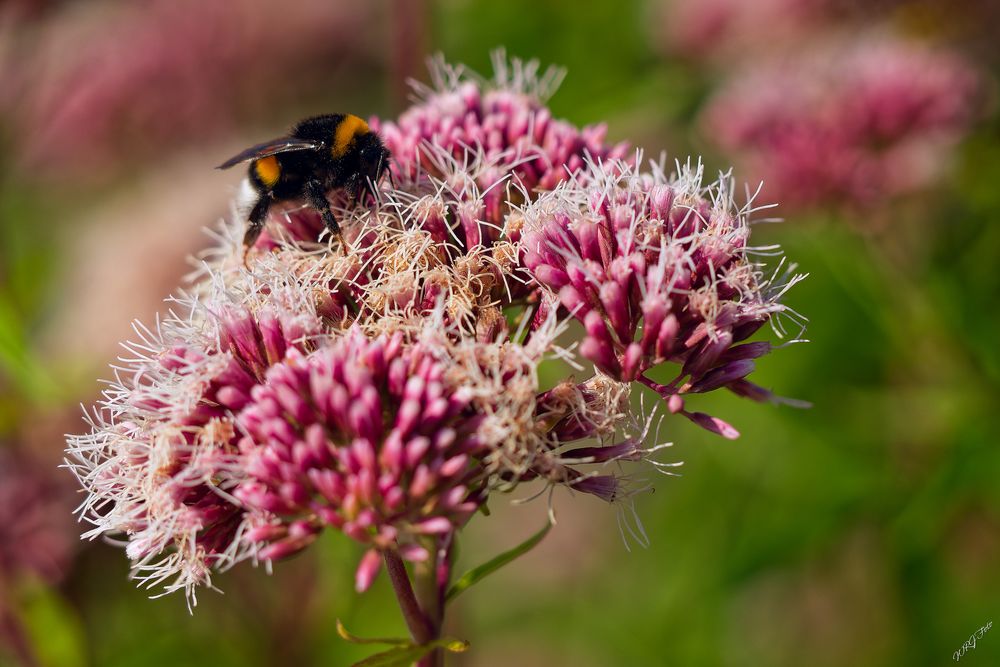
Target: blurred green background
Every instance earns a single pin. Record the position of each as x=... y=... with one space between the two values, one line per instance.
x=862 y=531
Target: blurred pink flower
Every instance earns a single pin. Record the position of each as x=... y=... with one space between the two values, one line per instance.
x=36 y=531
x=85 y=88
x=852 y=123
x=719 y=30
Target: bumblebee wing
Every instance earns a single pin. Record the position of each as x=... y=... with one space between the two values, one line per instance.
x=273 y=147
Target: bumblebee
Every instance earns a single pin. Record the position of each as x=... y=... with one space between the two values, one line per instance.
x=320 y=154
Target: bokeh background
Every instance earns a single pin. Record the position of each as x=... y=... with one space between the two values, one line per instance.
x=862 y=531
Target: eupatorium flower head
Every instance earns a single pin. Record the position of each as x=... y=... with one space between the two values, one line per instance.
x=497 y=130
x=162 y=458
x=386 y=386
x=658 y=270
x=362 y=435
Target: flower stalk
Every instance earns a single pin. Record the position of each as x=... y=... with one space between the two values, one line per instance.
x=417 y=621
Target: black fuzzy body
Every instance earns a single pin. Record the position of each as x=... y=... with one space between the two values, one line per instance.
x=320 y=154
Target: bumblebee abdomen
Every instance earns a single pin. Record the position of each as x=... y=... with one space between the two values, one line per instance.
x=282 y=175
x=267 y=170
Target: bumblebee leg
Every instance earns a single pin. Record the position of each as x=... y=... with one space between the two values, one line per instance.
x=255 y=222
x=316 y=195
x=354 y=188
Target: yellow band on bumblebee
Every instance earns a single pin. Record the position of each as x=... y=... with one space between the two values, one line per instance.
x=268 y=170
x=345 y=133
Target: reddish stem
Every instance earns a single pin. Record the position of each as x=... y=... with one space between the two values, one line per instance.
x=416 y=621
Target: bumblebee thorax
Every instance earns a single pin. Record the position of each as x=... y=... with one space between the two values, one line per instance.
x=346 y=133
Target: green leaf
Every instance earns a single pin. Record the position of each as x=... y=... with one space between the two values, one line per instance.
x=403 y=656
x=354 y=639
x=474 y=575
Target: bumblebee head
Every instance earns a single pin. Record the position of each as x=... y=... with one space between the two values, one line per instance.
x=373 y=157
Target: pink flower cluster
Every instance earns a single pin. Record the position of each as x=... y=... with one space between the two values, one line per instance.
x=365 y=436
x=851 y=124
x=162 y=459
x=656 y=273
x=385 y=387
x=504 y=129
